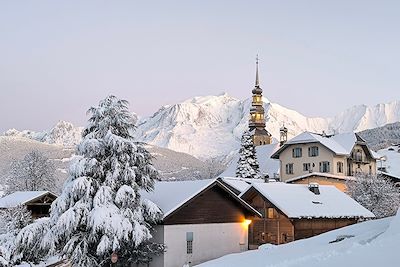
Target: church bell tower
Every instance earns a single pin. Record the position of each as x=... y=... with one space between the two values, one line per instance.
x=257 y=120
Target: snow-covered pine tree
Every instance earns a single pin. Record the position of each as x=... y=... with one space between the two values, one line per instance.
x=375 y=193
x=248 y=166
x=100 y=210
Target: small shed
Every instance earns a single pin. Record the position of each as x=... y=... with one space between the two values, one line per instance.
x=37 y=202
x=296 y=211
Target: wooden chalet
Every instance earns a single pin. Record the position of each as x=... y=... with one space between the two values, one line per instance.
x=294 y=211
x=37 y=202
x=202 y=220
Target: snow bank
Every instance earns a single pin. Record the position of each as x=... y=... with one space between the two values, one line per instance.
x=368 y=244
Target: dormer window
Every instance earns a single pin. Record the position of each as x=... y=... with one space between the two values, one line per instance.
x=358 y=155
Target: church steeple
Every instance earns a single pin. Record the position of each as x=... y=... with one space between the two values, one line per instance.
x=257 y=119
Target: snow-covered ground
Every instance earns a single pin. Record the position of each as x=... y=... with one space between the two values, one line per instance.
x=368 y=244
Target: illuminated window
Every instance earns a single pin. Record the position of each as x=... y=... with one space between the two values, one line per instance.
x=270 y=213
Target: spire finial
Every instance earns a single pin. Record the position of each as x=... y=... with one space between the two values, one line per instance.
x=257 y=80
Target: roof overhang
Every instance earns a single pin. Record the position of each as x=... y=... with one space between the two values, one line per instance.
x=320 y=174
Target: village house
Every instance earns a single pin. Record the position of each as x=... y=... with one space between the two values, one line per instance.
x=37 y=202
x=324 y=159
x=202 y=220
x=295 y=211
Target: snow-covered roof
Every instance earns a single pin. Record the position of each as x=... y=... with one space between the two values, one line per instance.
x=340 y=144
x=297 y=201
x=391 y=161
x=169 y=196
x=239 y=184
x=20 y=198
x=267 y=164
x=320 y=174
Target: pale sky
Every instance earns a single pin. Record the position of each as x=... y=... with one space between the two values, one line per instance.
x=58 y=58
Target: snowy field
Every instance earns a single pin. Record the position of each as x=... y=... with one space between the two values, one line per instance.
x=368 y=244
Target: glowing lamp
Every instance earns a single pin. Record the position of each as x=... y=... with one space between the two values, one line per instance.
x=247 y=222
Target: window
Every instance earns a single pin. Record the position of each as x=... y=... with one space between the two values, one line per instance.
x=340 y=167
x=306 y=167
x=189 y=242
x=289 y=168
x=324 y=166
x=297 y=151
x=358 y=155
x=271 y=213
x=313 y=151
x=370 y=170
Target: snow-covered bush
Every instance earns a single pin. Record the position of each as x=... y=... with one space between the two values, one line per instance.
x=34 y=172
x=248 y=166
x=12 y=220
x=375 y=193
x=100 y=210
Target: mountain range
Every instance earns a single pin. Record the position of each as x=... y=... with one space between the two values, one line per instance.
x=211 y=126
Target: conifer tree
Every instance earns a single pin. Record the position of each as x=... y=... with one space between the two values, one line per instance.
x=100 y=210
x=248 y=166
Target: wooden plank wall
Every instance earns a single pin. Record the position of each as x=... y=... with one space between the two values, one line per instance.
x=212 y=206
x=305 y=228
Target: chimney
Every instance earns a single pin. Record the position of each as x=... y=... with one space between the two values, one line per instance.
x=314 y=187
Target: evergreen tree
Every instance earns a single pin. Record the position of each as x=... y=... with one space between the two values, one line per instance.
x=100 y=210
x=248 y=166
x=375 y=193
x=12 y=220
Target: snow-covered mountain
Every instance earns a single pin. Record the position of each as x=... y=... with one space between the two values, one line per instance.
x=63 y=133
x=211 y=126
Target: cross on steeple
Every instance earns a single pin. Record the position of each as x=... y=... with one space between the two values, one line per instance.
x=257 y=79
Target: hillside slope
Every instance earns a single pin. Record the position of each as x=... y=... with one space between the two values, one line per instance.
x=382 y=137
